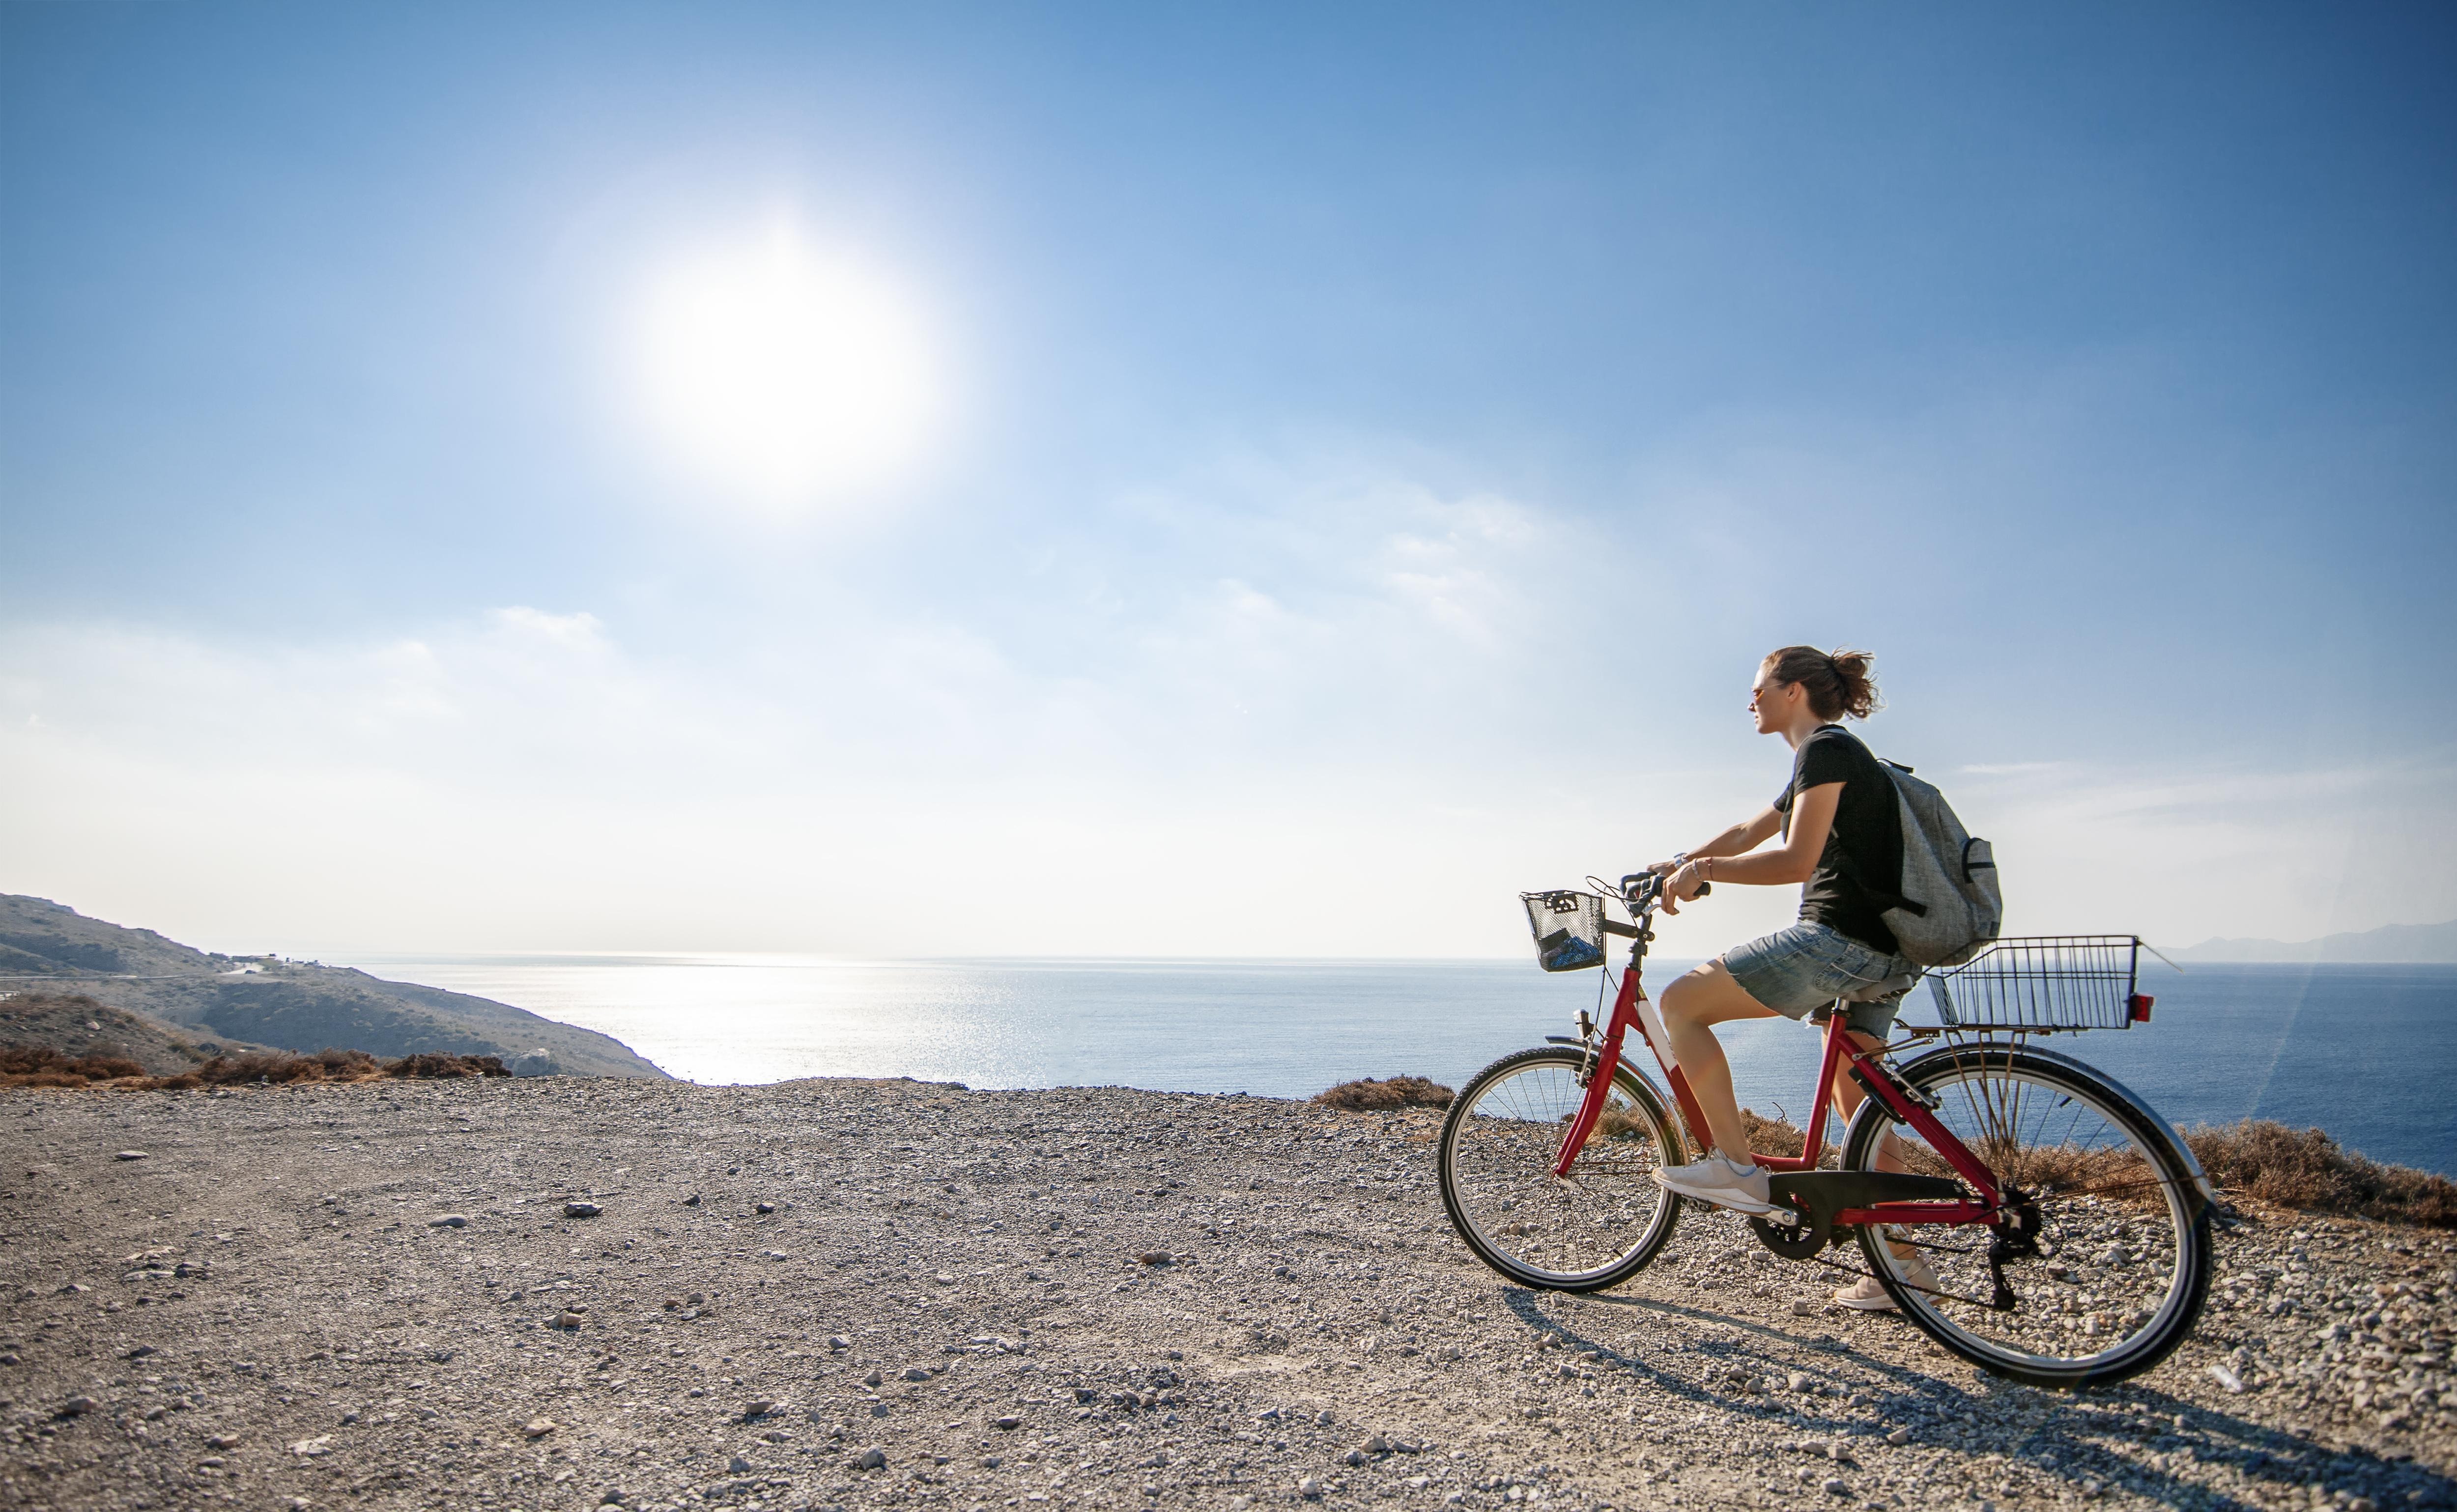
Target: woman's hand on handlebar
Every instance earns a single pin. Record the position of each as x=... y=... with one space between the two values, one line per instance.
x=1683 y=881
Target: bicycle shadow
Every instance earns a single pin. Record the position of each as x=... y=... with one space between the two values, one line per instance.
x=2073 y=1445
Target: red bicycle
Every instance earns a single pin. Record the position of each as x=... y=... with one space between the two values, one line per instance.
x=2028 y=1212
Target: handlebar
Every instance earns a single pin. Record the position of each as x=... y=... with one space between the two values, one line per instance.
x=1641 y=891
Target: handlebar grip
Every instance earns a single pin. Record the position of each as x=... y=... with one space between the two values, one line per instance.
x=1703 y=888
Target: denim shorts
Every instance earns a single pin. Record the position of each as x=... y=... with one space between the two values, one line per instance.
x=1798 y=970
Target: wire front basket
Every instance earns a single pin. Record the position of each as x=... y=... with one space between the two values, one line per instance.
x=2045 y=984
x=1569 y=929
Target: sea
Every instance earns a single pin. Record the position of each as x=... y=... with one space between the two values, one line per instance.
x=2366 y=1052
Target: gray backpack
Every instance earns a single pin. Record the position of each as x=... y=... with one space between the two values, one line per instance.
x=1949 y=907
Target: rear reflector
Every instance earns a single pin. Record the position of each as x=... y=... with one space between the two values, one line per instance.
x=2139 y=1002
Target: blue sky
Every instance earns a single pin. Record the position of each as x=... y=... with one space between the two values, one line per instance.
x=1368 y=453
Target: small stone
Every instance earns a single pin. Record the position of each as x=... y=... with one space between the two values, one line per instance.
x=1899 y=1437
x=739 y=1465
x=538 y=1427
x=874 y=1381
x=1155 y=1257
x=763 y=1206
x=917 y=1373
x=581 y=1209
x=313 y=1448
x=567 y=1320
x=1007 y=1424
x=1322 y=1419
x=77 y=1406
x=872 y=1458
x=140 y=1352
x=1354 y=1457
x=691 y=1201
x=1834 y=1486
x=1804 y=1308
x=1308 y=1488
x=212 y=1461
x=609 y=1496
x=450 y=1220
x=132 y=1155
x=2226 y=1379
x=221 y=1440
x=1797 y=1380
x=1378 y=1444
x=757 y=1407
x=838 y=1341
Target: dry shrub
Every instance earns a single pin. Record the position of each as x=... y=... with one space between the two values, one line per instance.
x=1398 y=1091
x=1772 y=1136
x=43 y=1065
x=2306 y=1169
x=439 y=1066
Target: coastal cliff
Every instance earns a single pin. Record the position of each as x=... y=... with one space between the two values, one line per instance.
x=285 y=1004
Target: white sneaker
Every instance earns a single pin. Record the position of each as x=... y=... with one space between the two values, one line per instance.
x=1725 y=1183
x=1869 y=1297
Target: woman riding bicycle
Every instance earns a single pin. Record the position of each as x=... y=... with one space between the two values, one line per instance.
x=1839 y=821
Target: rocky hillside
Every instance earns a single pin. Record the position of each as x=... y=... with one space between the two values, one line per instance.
x=77 y=1027
x=290 y=1005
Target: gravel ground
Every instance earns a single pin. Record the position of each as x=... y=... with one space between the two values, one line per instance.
x=850 y=1293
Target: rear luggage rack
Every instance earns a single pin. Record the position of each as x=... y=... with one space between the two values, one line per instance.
x=2045 y=984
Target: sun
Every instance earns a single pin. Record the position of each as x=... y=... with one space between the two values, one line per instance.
x=784 y=374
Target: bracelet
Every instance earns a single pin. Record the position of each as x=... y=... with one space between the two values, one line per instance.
x=1706 y=870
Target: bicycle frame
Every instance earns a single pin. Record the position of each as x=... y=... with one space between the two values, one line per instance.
x=1632 y=1009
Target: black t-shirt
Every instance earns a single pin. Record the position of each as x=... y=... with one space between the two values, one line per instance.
x=1864 y=851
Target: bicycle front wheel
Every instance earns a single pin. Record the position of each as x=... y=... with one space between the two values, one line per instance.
x=1593 y=1229
x=2108 y=1260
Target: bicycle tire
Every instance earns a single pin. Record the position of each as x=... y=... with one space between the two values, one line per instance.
x=1987 y=1089
x=1489 y=1162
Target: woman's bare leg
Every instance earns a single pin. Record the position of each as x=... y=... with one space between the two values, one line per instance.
x=1691 y=1007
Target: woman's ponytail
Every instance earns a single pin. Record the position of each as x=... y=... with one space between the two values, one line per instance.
x=1838 y=681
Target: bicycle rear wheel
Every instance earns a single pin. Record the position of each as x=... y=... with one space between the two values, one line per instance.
x=1592 y=1230
x=2112 y=1271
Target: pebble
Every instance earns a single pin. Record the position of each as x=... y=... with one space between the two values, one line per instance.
x=538 y=1427
x=567 y=1320
x=581 y=1209
x=1899 y=1437
x=132 y=1155
x=450 y=1220
x=221 y=1440
x=313 y=1448
x=757 y=1407
x=77 y=1406
x=1008 y=1424
x=872 y=1458
x=1308 y=1488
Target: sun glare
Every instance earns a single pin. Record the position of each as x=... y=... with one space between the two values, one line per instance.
x=786 y=376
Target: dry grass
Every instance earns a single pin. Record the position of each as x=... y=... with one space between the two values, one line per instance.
x=2306 y=1169
x=41 y=1065
x=1367 y=1095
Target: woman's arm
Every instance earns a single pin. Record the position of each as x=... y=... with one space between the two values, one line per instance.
x=1739 y=839
x=1812 y=819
